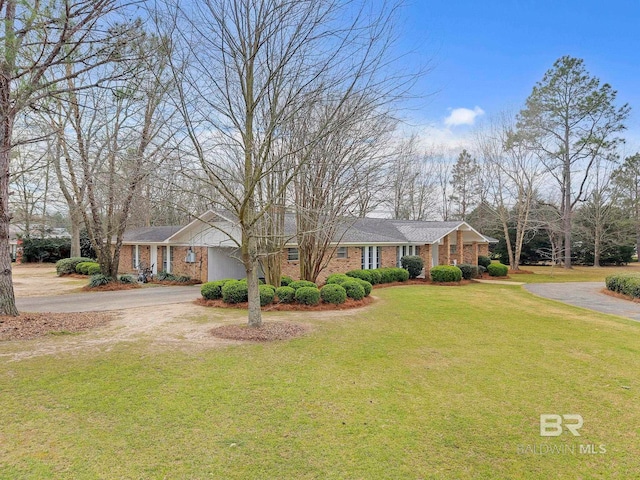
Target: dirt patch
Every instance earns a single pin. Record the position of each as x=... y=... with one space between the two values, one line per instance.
x=38 y=279
x=33 y=325
x=267 y=332
x=289 y=307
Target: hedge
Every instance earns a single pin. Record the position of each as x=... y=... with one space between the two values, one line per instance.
x=469 y=271
x=413 y=264
x=338 y=278
x=446 y=273
x=302 y=283
x=267 y=293
x=380 y=275
x=213 y=290
x=94 y=269
x=353 y=289
x=67 y=266
x=235 y=292
x=286 y=294
x=626 y=284
x=497 y=270
x=333 y=293
x=365 y=285
x=308 y=295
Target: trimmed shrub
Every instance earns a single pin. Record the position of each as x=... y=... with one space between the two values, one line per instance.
x=498 y=270
x=285 y=280
x=413 y=264
x=93 y=269
x=308 y=295
x=446 y=273
x=67 y=266
x=365 y=285
x=334 y=293
x=235 y=292
x=83 y=267
x=354 y=289
x=302 y=283
x=484 y=261
x=376 y=277
x=99 y=280
x=626 y=284
x=402 y=275
x=267 y=293
x=337 y=278
x=387 y=275
x=213 y=290
x=286 y=294
x=365 y=275
x=126 y=279
x=468 y=271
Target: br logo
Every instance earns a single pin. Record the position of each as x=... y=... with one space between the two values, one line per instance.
x=551 y=424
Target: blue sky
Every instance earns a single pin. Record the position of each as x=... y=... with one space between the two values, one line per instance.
x=486 y=55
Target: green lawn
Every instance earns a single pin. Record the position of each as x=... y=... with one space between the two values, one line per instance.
x=576 y=274
x=429 y=382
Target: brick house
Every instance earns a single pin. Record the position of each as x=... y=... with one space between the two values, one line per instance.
x=205 y=248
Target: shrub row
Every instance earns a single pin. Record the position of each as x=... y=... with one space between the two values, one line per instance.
x=67 y=266
x=380 y=275
x=626 y=284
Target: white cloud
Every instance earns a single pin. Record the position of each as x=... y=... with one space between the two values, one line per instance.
x=463 y=116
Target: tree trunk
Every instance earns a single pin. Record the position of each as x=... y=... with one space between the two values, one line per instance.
x=76 y=225
x=7 y=298
x=249 y=250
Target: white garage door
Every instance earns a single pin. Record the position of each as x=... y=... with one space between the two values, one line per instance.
x=223 y=265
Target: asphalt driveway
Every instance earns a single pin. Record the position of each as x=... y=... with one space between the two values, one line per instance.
x=105 y=301
x=586 y=295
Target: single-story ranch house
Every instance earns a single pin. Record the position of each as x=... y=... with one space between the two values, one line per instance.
x=204 y=249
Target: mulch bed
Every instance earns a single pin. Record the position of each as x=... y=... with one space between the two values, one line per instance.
x=267 y=332
x=33 y=325
x=289 y=307
x=620 y=296
x=111 y=287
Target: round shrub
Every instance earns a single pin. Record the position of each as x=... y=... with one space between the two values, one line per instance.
x=126 y=279
x=82 y=267
x=468 y=271
x=67 y=266
x=484 y=261
x=365 y=285
x=302 y=283
x=213 y=290
x=267 y=293
x=333 y=293
x=354 y=289
x=235 y=292
x=413 y=264
x=376 y=277
x=387 y=275
x=401 y=274
x=308 y=295
x=498 y=270
x=286 y=294
x=338 y=278
x=285 y=280
x=446 y=273
x=93 y=269
x=365 y=275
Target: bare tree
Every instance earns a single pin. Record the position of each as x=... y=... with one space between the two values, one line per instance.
x=37 y=37
x=245 y=68
x=512 y=176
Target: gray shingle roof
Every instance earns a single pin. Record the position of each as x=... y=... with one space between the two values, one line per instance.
x=150 y=234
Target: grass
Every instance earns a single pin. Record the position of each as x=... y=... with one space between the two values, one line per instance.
x=558 y=274
x=430 y=382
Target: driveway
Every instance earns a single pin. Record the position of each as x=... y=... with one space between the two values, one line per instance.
x=586 y=295
x=106 y=301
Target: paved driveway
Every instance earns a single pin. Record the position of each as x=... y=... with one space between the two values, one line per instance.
x=587 y=295
x=104 y=301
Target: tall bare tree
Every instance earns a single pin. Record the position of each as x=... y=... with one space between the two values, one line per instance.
x=35 y=39
x=571 y=120
x=245 y=67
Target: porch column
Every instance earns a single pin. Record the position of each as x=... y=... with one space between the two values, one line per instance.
x=446 y=247
x=425 y=253
x=475 y=253
x=460 y=247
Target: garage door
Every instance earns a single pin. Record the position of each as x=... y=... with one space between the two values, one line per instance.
x=223 y=265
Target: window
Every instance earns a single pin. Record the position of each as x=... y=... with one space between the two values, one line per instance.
x=342 y=252
x=167 y=254
x=135 y=256
x=453 y=249
x=293 y=255
x=371 y=257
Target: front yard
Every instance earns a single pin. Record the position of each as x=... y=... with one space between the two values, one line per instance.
x=429 y=382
